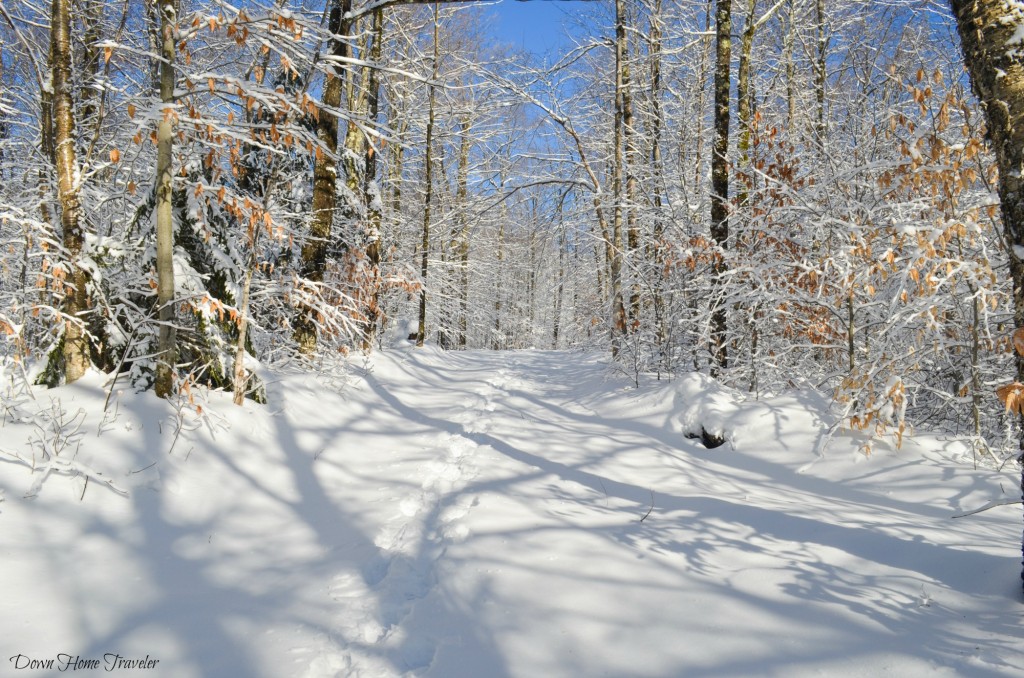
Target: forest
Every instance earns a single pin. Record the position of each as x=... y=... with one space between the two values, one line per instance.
x=488 y=339
x=785 y=194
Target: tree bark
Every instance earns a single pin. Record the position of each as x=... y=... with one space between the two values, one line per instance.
x=720 y=178
x=618 y=328
x=461 y=204
x=657 y=247
x=820 y=72
x=325 y=175
x=996 y=69
x=92 y=18
x=371 y=191
x=789 y=42
x=429 y=181
x=629 y=165
x=499 y=341
x=76 y=301
x=702 y=74
x=995 y=60
x=745 y=102
x=167 y=342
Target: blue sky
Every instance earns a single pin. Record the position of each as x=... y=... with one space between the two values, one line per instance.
x=536 y=25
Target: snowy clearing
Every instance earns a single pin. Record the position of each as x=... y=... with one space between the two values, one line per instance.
x=485 y=514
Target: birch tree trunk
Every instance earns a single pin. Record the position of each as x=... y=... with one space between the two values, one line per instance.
x=76 y=302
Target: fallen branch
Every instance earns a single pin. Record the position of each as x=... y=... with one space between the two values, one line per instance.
x=60 y=466
x=990 y=505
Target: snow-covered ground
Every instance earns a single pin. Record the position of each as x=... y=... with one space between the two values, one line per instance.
x=483 y=515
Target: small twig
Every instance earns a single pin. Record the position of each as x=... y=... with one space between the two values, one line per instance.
x=605 y=492
x=84 y=488
x=177 y=433
x=142 y=469
x=109 y=421
x=1007 y=460
x=650 y=509
x=988 y=506
x=120 y=364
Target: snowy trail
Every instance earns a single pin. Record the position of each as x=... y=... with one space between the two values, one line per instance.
x=520 y=514
x=551 y=552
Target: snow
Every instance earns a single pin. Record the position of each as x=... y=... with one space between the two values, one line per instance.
x=1014 y=16
x=499 y=514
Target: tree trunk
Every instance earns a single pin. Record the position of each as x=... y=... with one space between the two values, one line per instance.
x=560 y=288
x=720 y=178
x=92 y=18
x=789 y=41
x=167 y=342
x=992 y=52
x=699 y=135
x=5 y=128
x=629 y=163
x=398 y=155
x=428 y=180
x=76 y=302
x=371 y=191
x=745 y=103
x=46 y=144
x=656 y=247
x=325 y=175
x=820 y=72
x=618 y=328
x=499 y=341
x=241 y=378
x=461 y=204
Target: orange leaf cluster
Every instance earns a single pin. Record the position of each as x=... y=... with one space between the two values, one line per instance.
x=1012 y=396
